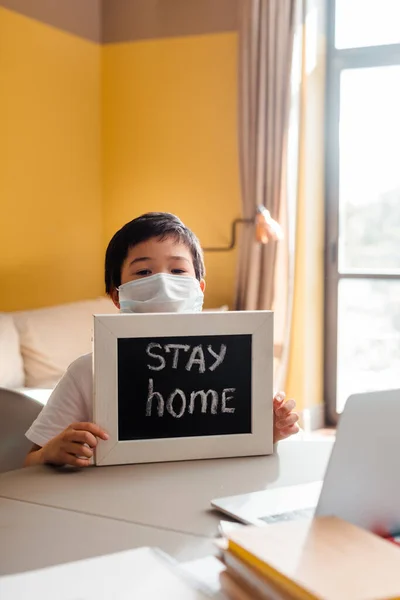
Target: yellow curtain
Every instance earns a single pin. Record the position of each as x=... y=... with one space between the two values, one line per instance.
x=305 y=370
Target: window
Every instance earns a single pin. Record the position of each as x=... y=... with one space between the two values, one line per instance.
x=362 y=341
x=364 y=23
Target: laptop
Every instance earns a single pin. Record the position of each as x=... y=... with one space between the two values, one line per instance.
x=362 y=480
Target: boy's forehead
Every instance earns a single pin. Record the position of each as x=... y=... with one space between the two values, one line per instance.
x=156 y=247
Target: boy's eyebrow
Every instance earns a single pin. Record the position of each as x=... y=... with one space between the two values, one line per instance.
x=180 y=258
x=144 y=258
x=139 y=259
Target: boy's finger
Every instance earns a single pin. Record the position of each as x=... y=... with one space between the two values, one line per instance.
x=286 y=408
x=92 y=428
x=288 y=422
x=78 y=450
x=74 y=461
x=284 y=433
x=279 y=398
x=83 y=437
x=79 y=462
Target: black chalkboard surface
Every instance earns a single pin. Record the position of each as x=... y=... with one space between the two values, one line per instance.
x=182 y=386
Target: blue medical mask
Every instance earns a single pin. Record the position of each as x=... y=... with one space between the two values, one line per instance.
x=161 y=293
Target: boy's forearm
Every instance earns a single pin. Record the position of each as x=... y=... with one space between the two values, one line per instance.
x=35 y=457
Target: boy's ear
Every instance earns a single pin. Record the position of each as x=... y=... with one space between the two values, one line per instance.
x=202 y=285
x=115 y=297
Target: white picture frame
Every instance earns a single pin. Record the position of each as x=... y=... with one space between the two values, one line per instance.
x=108 y=329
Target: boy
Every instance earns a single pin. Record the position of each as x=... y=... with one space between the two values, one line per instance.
x=153 y=264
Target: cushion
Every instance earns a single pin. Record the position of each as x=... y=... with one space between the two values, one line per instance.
x=11 y=365
x=52 y=338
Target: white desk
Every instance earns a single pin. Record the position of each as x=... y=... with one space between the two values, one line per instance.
x=175 y=496
x=102 y=509
x=34 y=537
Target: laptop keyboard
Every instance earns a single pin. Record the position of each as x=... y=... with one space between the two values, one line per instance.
x=293 y=515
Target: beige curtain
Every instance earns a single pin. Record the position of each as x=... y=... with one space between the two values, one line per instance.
x=304 y=380
x=265 y=272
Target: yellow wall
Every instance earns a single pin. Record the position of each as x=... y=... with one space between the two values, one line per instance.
x=168 y=130
x=51 y=237
x=170 y=140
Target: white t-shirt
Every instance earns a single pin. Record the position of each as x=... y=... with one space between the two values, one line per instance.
x=70 y=402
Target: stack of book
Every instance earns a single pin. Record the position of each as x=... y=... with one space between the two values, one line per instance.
x=321 y=559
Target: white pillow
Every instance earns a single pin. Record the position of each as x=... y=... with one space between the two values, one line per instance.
x=11 y=365
x=52 y=338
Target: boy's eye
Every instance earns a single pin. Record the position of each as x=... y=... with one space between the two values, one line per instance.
x=144 y=272
x=178 y=271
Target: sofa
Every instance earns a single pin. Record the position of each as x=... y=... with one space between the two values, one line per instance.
x=36 y=346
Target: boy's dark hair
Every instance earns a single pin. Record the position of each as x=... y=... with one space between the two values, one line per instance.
x=150 y=225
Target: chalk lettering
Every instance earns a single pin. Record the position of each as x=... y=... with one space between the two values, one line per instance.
x=204 y=401
x=220 y=357
x=225 y=399
x=152 y=394
x=197 y=360
x=150 y=347
x=176 y=348
x=201 y=394
x=170 y=407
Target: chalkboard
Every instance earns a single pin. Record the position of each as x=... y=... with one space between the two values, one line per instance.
x=172 y=387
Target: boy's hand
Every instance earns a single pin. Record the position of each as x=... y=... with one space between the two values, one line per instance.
x=68 y=448
x=285 y=418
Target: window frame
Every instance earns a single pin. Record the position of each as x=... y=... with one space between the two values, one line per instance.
x=339 y=60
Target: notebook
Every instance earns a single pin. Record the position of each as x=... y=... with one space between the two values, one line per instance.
x=144 y=573
x=326 y=558
x=249 y=579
